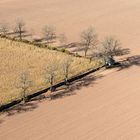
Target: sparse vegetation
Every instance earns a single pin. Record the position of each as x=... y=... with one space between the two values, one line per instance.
x=4 y=29
x=88 y=39
x=49 y=34
x=24 y=84
x=17 y=57
x=109 y=48
x=62 y=39
x=19 y=28
x=66 y=67
x=19 y=54
x=51 y=72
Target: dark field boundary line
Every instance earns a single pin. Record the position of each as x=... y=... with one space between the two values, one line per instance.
x=74 y=78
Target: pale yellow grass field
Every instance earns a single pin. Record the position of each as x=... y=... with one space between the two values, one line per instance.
x=107 y=109
x=18 y=57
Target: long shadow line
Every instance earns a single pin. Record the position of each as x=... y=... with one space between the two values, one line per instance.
x=74 y=78
x=129 y=62
x=62 y=91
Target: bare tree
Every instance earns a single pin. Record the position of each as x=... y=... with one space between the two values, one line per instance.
x=19 y=28
x=110 y=47
x=66 y=67
x=4 y=29
x=51 y=73
x=49 y=33
x=88 y=39
x=24 y=84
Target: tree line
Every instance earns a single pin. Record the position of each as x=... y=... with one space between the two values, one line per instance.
x=50 y=73
x=89 y=42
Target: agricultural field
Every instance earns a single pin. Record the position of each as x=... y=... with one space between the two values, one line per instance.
x=17 y=58
x=104 y=105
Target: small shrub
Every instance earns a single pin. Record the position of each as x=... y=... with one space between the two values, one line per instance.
x=54 y=48
x=64 y=50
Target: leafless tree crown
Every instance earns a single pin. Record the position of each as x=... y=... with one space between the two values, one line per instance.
x=4 y=29
x=110 y=47
x=24 y=84
x=19 y=28
x=66 y=67
x=49 y=33
x=51 y=72
x=62 y=39
x=88 y=39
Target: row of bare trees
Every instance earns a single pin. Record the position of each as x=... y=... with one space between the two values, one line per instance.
x=110 y=47
x=52 y=71
x=19 y=28
x=48 y=32
x=90 y=42
x=106 y=49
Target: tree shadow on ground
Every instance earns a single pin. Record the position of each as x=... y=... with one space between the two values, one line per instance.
x=71 y=89
x=15 y=35
x=129 y=62
x=61 y=92
x=77 y=48
x=122 y=51
x=70 y=45
x=74 y=86
x=74 y=47
x=20 y=108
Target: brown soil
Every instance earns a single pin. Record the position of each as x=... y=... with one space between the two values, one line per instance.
x=106 y=108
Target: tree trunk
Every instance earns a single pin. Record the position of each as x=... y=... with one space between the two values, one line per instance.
x=85 y=52
x=20 y=35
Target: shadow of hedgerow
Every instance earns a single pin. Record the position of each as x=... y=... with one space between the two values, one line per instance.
x=74 y=86
x=129 y=62
x=60 y=93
